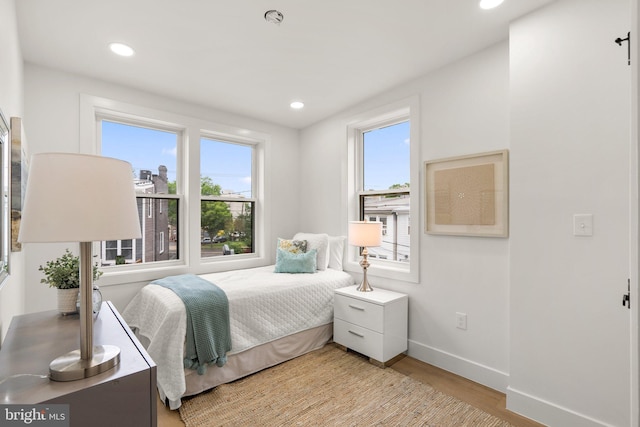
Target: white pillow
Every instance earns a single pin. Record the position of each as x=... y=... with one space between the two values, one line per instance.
x=320 y=242
x=336 y=251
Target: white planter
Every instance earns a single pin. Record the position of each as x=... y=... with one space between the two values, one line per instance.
x=67 y=301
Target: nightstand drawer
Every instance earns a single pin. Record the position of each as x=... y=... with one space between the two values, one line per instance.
x=359 y=312
x=359 y=339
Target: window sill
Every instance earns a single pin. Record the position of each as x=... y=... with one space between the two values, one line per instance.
x=384 y=271
x=123 y=275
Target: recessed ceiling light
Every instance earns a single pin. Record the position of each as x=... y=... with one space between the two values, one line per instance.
x=490 y=4
x=296 y=105
x=121 y=49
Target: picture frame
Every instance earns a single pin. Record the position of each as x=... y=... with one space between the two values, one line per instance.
x=5 y=195
x=18 y=178
x=468 y=195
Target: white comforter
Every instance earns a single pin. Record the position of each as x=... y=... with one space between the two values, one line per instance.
x=263 y=306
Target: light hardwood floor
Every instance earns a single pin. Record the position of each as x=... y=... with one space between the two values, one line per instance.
x=481 y=397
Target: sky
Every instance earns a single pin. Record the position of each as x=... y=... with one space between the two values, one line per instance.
x=386 y=157
x=228 y=165
x=386 y=152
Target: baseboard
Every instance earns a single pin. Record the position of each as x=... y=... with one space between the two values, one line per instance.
x=547 y=413
x=469 y=369
x=519 y=402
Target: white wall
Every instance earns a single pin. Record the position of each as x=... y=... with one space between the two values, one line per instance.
x=52 y=105
x=536 y=302
x=11 y=104
x=570 y=127
x=464 y=109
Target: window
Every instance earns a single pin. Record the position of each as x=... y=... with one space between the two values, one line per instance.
x=227 y=205
x=199 y=185
x=152 y=154
x=385 y=195
x=384 y=177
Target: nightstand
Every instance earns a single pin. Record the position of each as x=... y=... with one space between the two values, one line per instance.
x=372 y=323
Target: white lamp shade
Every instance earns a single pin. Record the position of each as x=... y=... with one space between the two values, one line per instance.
x=78 y=198
x=365 y=233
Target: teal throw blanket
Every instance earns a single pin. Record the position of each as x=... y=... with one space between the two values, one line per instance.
x=208 y=332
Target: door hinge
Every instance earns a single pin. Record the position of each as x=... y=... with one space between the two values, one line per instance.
x=626 y=298
x=628 y=40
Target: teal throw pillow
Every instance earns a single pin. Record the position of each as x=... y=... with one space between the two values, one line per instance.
x=287 y=262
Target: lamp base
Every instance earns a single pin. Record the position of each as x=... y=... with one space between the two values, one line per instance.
x=364 y=263
x=71 y=367
x=364 y=287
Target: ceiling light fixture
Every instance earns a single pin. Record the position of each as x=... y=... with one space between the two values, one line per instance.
x=490 y=4
x=121 y=49
x=296 y=105
x=273 y=16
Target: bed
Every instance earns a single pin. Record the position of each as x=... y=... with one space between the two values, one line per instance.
x=273 y=317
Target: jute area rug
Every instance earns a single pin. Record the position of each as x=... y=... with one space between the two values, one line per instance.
x=330 y=387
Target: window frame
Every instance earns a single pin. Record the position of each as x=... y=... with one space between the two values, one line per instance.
x=130 y=118
x=397 y=112
x=93 y=109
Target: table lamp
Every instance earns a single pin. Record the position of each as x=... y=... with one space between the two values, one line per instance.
x=365 y=234
x=80 y=198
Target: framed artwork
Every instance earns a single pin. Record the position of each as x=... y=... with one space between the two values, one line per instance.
x=5 y=195
x=468 y=195
x=18 y=179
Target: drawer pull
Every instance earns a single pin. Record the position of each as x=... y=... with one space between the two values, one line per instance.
x=355 y=307
x=356 y=334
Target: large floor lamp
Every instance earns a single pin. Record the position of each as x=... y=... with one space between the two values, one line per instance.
x=80 y=198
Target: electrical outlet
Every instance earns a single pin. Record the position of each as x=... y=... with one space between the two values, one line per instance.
x=461 y=321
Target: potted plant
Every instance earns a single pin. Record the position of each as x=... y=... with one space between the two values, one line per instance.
x=63 y=273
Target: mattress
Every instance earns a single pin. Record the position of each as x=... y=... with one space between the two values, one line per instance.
x=263 y=307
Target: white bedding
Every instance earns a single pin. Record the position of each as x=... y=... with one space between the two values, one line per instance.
x=263 y=306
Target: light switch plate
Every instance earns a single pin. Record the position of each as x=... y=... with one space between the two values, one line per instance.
x=583 y=225
x=461 y=321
